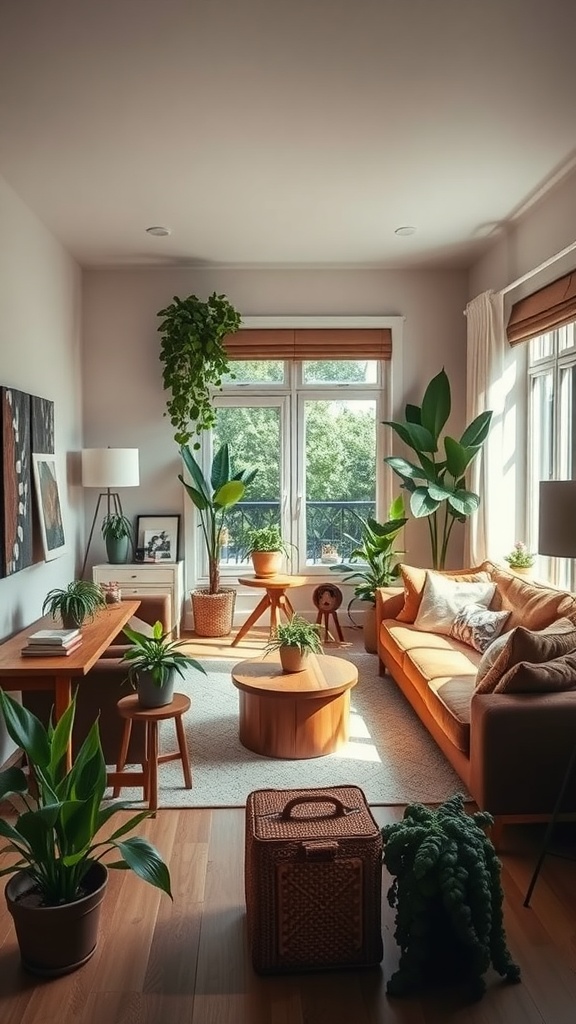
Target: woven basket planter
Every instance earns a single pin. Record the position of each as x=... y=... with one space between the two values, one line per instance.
x=213 y=613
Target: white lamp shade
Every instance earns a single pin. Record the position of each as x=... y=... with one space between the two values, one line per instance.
x=110 y=467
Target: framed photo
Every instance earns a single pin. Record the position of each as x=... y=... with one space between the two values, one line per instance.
x=49 y=505
x=158 y=537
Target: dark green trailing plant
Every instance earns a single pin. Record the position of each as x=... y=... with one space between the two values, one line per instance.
x=156 y=654
x=448 y=898
x=438 y=483
x=377 y=560
x=56 y=835
x=194 y=359
x=213 y=498
x=298 y=632
x=76 y=603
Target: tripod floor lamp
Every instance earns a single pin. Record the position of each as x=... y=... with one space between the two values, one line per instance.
x=108 y=469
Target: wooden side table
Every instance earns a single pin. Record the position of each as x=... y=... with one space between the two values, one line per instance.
x=275 y=598
x=294 y=714
x=130 y=710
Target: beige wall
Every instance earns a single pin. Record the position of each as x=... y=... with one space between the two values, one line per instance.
x=124 y=400
x=40 y=354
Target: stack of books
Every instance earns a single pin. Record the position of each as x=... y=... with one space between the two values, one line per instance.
x=55 y=642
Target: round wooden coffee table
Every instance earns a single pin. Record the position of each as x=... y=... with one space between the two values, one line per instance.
x=294 y=714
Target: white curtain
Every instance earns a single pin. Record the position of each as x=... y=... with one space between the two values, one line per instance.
x=487 y=350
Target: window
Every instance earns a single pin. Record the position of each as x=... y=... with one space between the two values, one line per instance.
x=313 y=430
x=551 y=427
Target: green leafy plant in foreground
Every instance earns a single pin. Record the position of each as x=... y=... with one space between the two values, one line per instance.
x=75 y=603
x=55 y=836
x=297 y=632
x=438 y=483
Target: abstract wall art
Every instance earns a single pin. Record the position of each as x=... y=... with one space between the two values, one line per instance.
x=15 y=504
x=49 y=505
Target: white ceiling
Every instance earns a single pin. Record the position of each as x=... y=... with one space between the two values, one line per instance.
x=284 y=132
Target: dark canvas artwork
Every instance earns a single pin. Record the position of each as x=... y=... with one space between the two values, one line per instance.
x=42 y=425
x=16 y=504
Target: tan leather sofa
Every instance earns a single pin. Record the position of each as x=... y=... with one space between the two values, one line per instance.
x=510 y=750
x=100 y=690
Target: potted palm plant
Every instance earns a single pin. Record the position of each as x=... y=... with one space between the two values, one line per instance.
x=295 y=641
x=59 y=877
x=75 y=604
x=117 y=534
x=212 y=497
x=374 y=563
x=154 y=662
x=194 y=359
x=266 y=548
x=437 y=486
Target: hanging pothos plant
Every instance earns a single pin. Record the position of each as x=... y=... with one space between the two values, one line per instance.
x=194 y=359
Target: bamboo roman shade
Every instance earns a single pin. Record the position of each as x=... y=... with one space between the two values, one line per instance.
x=296 y=344
x=544 y=310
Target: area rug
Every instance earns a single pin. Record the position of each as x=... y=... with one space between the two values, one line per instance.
x=389 y=754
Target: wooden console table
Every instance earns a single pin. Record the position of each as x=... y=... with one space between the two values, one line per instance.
x=56 y=673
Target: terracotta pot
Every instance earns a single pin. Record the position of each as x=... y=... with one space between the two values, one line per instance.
x=293 y=659
x=266 y=563
x=213 y=613
x=56 y=940
x=152 y=696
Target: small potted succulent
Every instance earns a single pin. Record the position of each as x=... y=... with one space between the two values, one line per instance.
x=76 y=603
x=295 y=641
x=154 y=662
x=59 y=878
x=266 y=548
x=520 y=559
x=117 y=534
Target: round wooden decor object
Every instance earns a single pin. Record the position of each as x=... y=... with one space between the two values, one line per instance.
x=327 y=597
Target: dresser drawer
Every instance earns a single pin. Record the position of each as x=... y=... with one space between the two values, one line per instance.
x=136 y=576
x=153 y=579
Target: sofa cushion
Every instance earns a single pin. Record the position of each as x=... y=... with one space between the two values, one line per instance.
x=442 y=599
x=414 y=578
x=448 y=701
x=478 y=626
x=549 y=677
x=530 y=604
x=527 y=645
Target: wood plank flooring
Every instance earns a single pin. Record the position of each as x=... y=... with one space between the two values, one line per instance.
x=188 y=962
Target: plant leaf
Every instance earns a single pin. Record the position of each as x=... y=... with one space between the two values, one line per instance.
x=26 y=730
x=229 y=494
x=436 y=405
x=13 y=780
x=464 y=502
x=477 y=431
x=146 y=862
x=422 y=504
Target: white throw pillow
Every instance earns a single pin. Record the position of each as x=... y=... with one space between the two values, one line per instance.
x=490 y=655
x=443 y=598
x=478 y=626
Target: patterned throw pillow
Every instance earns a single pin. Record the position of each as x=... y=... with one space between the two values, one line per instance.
x=477 y=626
x=443 y=599
x=521 y=644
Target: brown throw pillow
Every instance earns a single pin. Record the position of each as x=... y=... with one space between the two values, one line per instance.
x=414 y=578
x=529 y=646
x=550 y=677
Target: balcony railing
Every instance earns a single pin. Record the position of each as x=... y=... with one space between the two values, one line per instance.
x=329 y=526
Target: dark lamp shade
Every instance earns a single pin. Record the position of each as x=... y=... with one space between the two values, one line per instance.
x=557 y=518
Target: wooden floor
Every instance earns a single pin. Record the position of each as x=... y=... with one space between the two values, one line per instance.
x=187 y=962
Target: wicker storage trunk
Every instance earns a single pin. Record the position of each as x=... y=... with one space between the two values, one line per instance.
x=313 y=876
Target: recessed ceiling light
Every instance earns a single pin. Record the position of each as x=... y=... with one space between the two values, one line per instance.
x=405 y=230
x=158 y=230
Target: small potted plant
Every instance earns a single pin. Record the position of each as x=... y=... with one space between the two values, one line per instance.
x=76 y=603
x=266 y=548
x=154 y=662
x=194 y=359
x=117 y=534
x=295 y=641
x=520 y=559
x=59 y=878
x=212 y=497
x=448 y=898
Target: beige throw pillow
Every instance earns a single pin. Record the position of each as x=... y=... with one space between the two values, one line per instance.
x=443 y=599
x=414 y=578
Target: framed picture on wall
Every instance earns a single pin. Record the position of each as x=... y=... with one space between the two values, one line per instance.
x=49 y=505
x=158 y=537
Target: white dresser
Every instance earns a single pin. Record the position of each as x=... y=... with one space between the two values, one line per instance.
x=137 y=579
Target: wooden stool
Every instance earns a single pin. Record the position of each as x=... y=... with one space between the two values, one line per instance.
x=327 y=599
x=275 y=598
x=129 y=709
